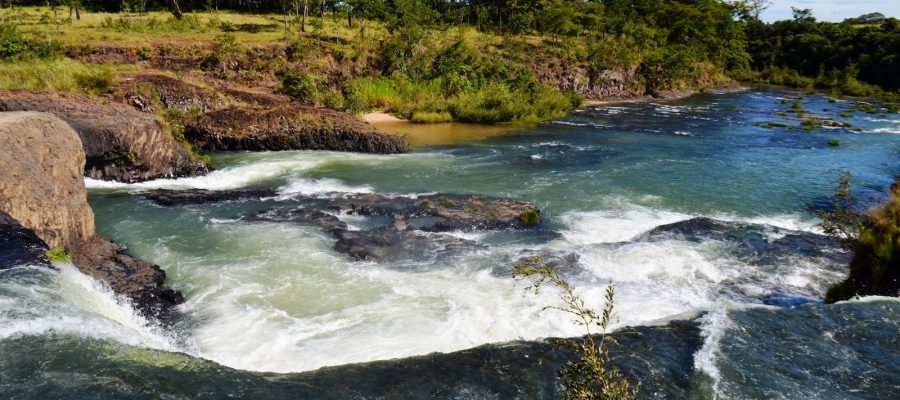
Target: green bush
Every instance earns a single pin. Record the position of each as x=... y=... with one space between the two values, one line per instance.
x=57 y=255
x=875 y=267
x=16 y=46
x=530 y=217
x=300 y=86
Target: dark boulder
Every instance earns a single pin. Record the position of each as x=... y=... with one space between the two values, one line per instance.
x=288 y=127
x=19 y=245
x=752 y=239
x=140 y=281
x=170 y=198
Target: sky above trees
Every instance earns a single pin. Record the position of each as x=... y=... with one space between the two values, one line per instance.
x=832 y=10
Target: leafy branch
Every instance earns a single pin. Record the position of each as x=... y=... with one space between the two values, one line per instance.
x=590 y=376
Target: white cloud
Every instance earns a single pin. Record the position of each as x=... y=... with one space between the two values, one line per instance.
x=832 y=10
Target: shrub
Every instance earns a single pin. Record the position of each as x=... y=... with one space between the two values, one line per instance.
x=300 y=86
x=590 y=376
x=57 y=255
x=16 y=46
x=875 y=267
x=530 y=217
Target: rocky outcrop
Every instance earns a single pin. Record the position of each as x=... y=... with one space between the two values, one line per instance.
x=43 y=203
x=140 y=90
x=288 y=127
x=615 y=84
x=19 y=245
x=399 y=226
x=140 y=281
x=41 y=183
x=120 y=143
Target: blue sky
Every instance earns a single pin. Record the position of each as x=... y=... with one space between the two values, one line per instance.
x=831 y=10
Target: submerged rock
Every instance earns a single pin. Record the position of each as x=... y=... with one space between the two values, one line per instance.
x=390 y=244
x=170 y=198
x=402 y=233
x=288 y=127
x=660 y=357
x=119 y=142
x=763 y=240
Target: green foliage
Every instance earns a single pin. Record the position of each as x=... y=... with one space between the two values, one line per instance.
x=125 y=24
x=846 y=57
x=58 y=255
x=16 y=46
x=530 y=217
x=833 y=142
x=300 y=86
x=431 y=117
x=590 y=376
x=845 y=219
x=875 y=267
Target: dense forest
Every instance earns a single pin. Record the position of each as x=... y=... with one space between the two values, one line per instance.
x=413 y=58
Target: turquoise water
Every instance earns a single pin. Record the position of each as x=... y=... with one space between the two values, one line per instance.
x=268 y=298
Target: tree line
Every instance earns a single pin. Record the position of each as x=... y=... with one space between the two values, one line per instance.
x=664 y=40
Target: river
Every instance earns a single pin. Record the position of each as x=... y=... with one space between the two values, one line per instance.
x=267 y=301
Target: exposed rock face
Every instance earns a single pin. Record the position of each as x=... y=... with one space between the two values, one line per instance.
x=608 y=85
x=41 y=182
x=172 y=93
x=288 y=127
x=19 y=245
x=120 y=143
x=43 y=203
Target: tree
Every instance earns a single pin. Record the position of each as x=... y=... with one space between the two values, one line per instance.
x=802 y=14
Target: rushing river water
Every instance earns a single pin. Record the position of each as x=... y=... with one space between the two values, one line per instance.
x=266 y=301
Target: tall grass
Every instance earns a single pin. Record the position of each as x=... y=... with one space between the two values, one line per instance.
x=427 y=101
x=58 y=74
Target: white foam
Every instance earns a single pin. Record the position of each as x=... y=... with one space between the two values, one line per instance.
x=75 y=304
x=615 y=226
x=323 y=185
x=713 y=326
x=226 y=178
x=885 y=130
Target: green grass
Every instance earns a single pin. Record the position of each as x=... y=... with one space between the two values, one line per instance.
x=61 y=74
x=98 y=28
x=431 y=116
x=57 y=255
x=425 y=101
